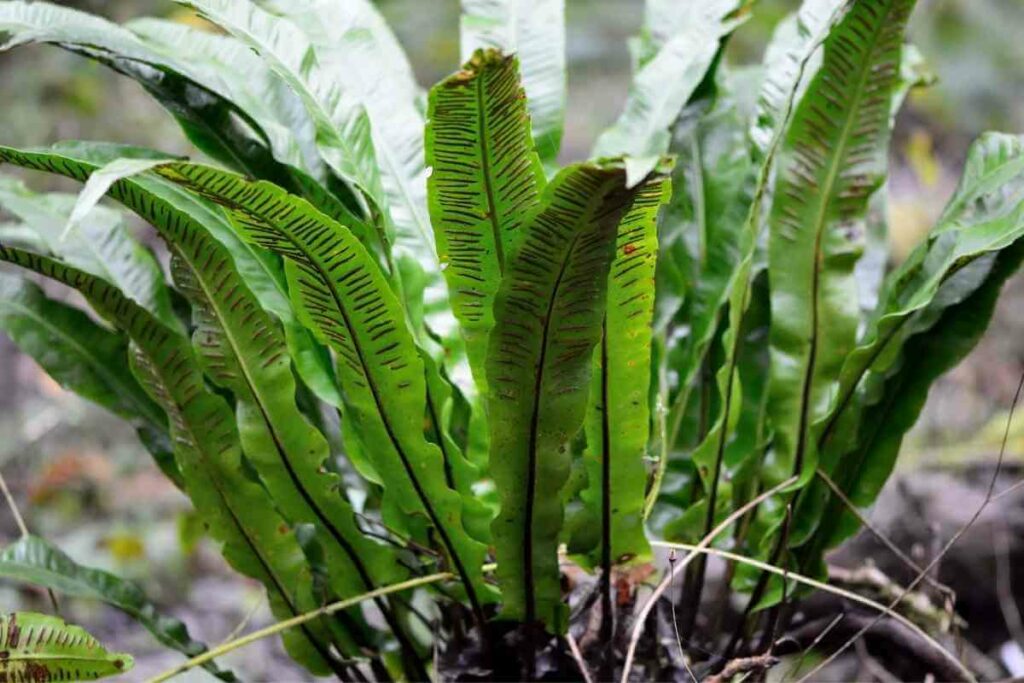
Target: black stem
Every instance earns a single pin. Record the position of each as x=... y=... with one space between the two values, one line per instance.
x=755 y=597
x=607 y=628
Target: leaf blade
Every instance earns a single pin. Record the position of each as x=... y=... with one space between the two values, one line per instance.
x=59 y=651
x=831 y=162
x=485 y=178
x=548 y=319
x=348 y=303
x=618 y=415
x=208 y=455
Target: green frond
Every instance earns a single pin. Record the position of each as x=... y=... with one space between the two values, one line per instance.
x=485 y=179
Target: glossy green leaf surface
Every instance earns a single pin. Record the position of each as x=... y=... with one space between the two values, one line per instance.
x=242 y=349
x=549 y=314
x=681 y=52
x=98 y=243
x=358 y=89
x=216 y=109
x=485 y=179
x=360 y=53
x=959 y=262
x=618 y=415
x=154 y=200
x=347 y=301
x=833 y=158
x=257 y=541
x=38 y=647
x=342 y=130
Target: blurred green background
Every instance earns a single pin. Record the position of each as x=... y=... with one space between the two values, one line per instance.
x=84 y=483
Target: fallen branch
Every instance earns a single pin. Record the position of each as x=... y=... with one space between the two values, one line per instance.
x=917 y=604
x=744 y=665
x=882 y=538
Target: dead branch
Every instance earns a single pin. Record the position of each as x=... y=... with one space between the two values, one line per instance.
x=917 y=605
x=744 y=665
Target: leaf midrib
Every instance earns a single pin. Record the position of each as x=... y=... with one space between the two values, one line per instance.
x=371 y=384
x=485 y=160
x=215 y=304
x=531 y=482
x=151 y=326
x=820 y=223
x=323 y=121
x=236 y=520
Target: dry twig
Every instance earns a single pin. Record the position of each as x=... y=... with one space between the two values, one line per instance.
x=744 y=665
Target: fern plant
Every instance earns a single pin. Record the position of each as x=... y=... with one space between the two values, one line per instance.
x=399 y=343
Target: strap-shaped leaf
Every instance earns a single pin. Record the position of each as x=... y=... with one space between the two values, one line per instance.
x=485 y=179
x=99 y=244
x=786 y=63
x=663 y=83
x=832 y=161
x=346 y=66
x=217 y=110
x=243 y=350
x=208 y=455
x=922 y=307
x=358 y=88
x=535 y=31
x=664 y=20
x=261 y=272
x=548 y=318
x=33 y=560
x=85 y=358
x=38 y=647
x=346 y=300
x=618 y=414
x=358 y=29
x=894 y=397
